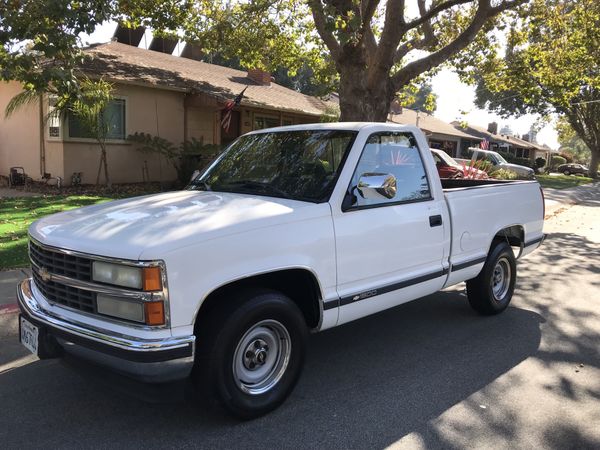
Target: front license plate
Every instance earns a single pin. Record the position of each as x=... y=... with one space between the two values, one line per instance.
x=29 y=336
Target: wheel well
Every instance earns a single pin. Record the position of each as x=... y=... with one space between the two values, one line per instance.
x=300 y=285
x=514 y=235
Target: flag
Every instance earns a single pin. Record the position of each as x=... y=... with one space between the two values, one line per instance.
x=484 y=145
x=226 y=112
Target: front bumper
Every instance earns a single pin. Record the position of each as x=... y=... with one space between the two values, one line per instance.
x=150 y=360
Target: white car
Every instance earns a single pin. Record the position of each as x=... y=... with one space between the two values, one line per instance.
x=499 y=162
x=291 y=230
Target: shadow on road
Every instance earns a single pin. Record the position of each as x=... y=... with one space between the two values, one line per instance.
x=370 y=382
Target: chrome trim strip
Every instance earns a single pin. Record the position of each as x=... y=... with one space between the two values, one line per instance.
x=28 y=302
x=102 y=288
x=116 y=291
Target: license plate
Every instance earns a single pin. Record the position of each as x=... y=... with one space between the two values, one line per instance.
x=29 y=336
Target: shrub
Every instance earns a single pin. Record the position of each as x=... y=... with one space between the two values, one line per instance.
x=186 y=158
x=556 y=161
x=503 y=174
x=540 y=162
x=567 y=155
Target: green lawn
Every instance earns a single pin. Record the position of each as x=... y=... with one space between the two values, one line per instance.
x=562 y=181
x=16 y=214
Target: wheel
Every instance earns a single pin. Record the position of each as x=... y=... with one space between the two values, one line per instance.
x=566 y=172
x=491 y=291
x=250 y=352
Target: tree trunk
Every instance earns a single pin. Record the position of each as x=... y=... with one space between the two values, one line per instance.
x=595 y=160
x=105 y=165
x=361 y=102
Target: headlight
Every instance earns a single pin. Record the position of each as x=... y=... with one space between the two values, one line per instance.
x=145 y=278
x=121 y=308
x=117 y=274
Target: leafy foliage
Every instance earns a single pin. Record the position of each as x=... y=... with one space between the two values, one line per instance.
x=418 y=97
x=551 y=65
x=556 y=161
x=186 y=158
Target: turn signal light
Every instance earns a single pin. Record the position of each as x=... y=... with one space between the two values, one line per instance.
x=151 y=279
x=155 y=313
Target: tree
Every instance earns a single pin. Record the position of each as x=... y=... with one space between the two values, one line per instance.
x=571 y=143
x=374 y=48
x=551 y=66
x=90 y=108
x=419 y=97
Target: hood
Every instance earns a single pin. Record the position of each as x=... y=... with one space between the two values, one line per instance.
x=126 y=228
x=517 y=168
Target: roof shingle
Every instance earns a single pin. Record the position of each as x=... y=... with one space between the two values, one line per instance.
x=124 y=63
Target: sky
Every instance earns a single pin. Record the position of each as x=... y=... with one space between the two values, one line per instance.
x=453 y=97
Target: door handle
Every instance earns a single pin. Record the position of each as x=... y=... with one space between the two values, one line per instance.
x=435 y=221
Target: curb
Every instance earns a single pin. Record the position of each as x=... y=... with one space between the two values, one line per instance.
x=9 y=309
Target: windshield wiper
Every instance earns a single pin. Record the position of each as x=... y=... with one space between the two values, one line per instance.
x=265 y=187
x=200 y=184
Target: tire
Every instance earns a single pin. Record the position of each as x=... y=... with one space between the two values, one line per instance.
x=491 y=291
x=250 y=352
x=566 y=172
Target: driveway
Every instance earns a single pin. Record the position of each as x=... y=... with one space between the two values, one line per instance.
x=428 y=374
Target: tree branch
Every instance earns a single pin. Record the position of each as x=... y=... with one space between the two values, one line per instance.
x=425 y=16
x=321 y=25
x=484 y=12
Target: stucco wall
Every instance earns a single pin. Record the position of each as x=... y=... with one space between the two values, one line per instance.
x=201 y=124
x=19 y=134
x=152 y=111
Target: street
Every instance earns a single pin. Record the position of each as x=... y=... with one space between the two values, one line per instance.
x=428 y=374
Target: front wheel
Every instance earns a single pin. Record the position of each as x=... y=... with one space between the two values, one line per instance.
x=250 y=352
x=566 y=172
x=491 y=291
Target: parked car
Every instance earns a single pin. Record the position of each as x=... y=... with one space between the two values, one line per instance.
x=291 y=230
x=499 y=162
x=447 y=167
x=573 y=169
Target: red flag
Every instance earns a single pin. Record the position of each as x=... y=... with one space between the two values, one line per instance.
x=226 y=112
x=484 y=145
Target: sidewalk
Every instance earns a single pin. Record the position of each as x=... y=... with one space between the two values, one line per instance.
x=8 y=285
x=587 y=195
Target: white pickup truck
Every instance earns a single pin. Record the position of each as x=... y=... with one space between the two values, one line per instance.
x=290 y=230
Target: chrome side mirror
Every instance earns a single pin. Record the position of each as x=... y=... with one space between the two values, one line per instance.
x=375 y=186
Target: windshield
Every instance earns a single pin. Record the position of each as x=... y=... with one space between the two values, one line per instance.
x=299 y=165
x=499 y=158
x=444 y=157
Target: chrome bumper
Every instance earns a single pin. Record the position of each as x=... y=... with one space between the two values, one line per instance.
x=155 y=361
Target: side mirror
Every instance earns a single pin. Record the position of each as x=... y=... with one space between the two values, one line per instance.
x=375 y=186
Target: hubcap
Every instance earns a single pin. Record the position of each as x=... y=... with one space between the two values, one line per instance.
x=501 y=279
x=261 y=357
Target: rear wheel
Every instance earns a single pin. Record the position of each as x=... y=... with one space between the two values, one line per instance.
x=250 y=352
x=491 y=291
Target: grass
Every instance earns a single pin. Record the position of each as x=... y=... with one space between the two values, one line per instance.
x=16 y=214
x=562 y=181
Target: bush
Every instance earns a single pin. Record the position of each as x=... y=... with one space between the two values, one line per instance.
x=540 y=162
x=503 y=174
x=567 y=155
x=556 y=161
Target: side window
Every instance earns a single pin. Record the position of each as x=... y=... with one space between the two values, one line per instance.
x=397 y=154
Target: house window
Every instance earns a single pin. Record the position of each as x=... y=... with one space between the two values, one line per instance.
x=53 y=119
x=113 y=117
x=261 y=122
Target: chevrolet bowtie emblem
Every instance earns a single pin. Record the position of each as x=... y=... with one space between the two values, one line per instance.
x=44 y=274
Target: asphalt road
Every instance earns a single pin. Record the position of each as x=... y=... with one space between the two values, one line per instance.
x=428 y=374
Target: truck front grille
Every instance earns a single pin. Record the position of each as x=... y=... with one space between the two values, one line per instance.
x=65 y=295
x=60 y=263
x=53 y=261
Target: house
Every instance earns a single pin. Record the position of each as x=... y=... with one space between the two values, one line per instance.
x=175 y=97
x=517 y=147
x=440 y=135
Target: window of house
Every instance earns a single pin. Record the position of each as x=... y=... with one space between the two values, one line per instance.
x=261 y=122
x=53 y=122
x=113 y=118
x=396 y=154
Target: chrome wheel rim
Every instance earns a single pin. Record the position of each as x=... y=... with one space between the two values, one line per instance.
x=261 y=357
x=501 y=279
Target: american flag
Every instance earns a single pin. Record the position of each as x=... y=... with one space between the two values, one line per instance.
x=484 y=145
x=226 y=112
